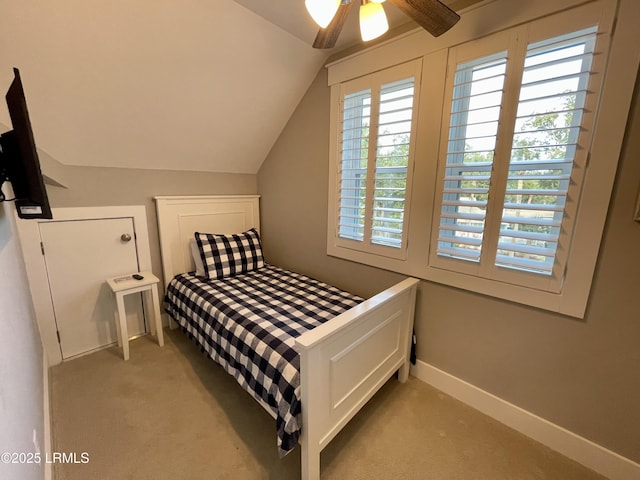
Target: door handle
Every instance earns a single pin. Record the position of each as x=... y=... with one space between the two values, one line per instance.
x=125 y=237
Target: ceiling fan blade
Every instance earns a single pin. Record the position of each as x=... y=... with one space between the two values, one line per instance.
x=432 y=15
x=327 y=37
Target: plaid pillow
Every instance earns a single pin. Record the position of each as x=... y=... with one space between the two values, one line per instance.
x=225 y=255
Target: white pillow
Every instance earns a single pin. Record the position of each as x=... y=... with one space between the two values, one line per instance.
x=197 y=259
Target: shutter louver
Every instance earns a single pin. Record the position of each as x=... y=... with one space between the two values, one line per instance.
x=548 y=124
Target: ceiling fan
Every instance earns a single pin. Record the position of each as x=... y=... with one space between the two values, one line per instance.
x=432 y=15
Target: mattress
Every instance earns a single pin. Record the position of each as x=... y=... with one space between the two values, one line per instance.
x=248 y=323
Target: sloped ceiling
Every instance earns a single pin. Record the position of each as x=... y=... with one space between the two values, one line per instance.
x=190 y=85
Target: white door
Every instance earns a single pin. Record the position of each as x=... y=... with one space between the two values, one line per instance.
x=80 y=255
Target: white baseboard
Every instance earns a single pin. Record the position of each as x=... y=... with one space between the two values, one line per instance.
x=580 y=449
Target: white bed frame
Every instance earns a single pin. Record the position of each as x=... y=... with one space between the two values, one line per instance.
x=343 y=362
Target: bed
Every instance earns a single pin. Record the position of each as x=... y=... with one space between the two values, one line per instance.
x=327 y=364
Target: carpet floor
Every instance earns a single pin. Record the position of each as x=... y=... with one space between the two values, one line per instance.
x=171 y=413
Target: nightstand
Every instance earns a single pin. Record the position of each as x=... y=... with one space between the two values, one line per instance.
x=125 y=285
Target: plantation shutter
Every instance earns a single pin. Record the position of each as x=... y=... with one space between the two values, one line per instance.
x=475 y=111
x=375 y=138
x=508 y=211
x=355 y=146
x=545 y=142
x=392 y=160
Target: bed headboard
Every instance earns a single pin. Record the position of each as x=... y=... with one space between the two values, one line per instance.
x=180 y=216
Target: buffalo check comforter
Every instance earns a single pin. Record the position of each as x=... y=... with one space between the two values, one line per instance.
x=248 y=323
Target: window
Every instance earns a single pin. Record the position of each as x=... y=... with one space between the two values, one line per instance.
x=511 y=175
x=497 y=178
x=374 y=161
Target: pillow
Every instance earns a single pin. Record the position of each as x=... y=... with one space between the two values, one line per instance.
x=197 y=259
x=225 y=255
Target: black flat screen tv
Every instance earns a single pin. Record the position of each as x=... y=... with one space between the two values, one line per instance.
x=19 y=162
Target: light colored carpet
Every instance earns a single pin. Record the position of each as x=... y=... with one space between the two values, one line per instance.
x=171 y=413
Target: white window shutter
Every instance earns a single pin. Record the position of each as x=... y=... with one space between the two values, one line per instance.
x=473 y=128
x=391 y=162
x=376 y=133
x=356 y=108
x=526 y=241
x=545 y=145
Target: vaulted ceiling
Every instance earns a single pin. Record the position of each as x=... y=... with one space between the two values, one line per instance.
x=190 y=85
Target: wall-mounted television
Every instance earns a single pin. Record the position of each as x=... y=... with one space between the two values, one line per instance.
x=19 y=163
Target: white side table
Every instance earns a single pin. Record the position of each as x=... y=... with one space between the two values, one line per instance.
x=125 y=285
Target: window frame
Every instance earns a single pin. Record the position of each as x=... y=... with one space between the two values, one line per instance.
x=542 y=19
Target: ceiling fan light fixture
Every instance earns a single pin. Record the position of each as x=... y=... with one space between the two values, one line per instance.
x=373 y=20
x=322 y=11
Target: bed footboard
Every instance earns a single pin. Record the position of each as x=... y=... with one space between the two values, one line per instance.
x=344 y=362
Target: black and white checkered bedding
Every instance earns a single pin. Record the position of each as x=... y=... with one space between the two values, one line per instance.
x=247 y=323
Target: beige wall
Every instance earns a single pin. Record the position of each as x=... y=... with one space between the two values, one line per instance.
x=582 y=375
x=21 y=357
x=97 y=186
